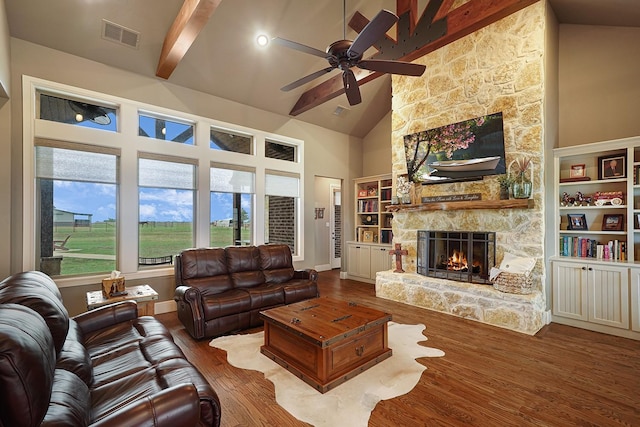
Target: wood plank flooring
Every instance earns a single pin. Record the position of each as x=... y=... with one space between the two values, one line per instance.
x=489 y=376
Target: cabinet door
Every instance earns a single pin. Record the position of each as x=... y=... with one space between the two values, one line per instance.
x=570 y=290
x=359 y=260
x=609 y=295
x=635 y=299
x=380 y=260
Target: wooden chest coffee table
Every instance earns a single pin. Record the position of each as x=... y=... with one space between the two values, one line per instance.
x=325 y=341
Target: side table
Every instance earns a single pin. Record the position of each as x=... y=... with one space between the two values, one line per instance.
x=144 y=295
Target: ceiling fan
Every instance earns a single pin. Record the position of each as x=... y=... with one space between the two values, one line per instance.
x=344 y=54
x=90 y=112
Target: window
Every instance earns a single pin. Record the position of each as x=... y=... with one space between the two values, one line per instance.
x=281 y=209
x=232 y=216
x=76 y=208
x=162 y=128
x=166 y=201
x=79 y=113
x=280 y=151
x=229 y=141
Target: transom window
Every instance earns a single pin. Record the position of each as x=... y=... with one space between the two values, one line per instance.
x=77 y=112
x=165 y=129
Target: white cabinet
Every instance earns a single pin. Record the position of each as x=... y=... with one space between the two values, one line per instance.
x=359 y=260
x=591 y=295
x=364 y=261
x=635 y=299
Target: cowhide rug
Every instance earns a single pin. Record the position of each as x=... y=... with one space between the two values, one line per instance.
x=349 y=404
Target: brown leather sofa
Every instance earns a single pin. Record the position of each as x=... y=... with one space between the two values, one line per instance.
x=106 y=367
x=220 y=290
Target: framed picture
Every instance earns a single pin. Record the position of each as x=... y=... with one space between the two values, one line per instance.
x=367 y=236
x=610 y=167
x=373 y=191
x=362 y=193
x=577 y=222
x=613 y=222
x=577 y=171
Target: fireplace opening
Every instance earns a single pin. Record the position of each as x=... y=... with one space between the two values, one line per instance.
x=463 y=256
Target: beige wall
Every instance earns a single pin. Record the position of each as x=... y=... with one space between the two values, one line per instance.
x=599 y=90
x=376 y=153
x=327 y=153
x=5 y=147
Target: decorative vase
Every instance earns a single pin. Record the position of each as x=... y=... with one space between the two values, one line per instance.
x=521 y=187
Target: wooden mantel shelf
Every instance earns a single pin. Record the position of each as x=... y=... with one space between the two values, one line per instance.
x=475 y=204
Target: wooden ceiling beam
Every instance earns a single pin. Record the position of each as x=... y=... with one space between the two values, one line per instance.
x=193 y=16
x=463 y=20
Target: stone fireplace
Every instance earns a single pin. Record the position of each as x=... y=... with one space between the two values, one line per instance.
x=465 y=256
x=499 y=68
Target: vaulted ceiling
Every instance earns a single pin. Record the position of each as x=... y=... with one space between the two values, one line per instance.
x=223 y=59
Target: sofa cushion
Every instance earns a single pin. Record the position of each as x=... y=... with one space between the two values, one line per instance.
x=230 y=302
x=205 y=269
x=38 y=292
x=299 y=290
x=70 y=401
x=243 y=263
x=276 y=262
x=264 y=296
x=74 y=357
x=27 y=365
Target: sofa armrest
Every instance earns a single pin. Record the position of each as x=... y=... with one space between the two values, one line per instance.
x=190 y=310
x=173 y=407
x=106 y=316
x=309 y=274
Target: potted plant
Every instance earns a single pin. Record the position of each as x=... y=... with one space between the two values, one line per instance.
x=505 y=181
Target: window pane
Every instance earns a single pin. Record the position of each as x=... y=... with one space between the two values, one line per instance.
x=227 y=227
x=159 y=128
x=76 y=208
x=226 y=141
x=158 y=173
x=77 y=227
x=280 y=221
x=165 y=222
x=278 y=150
x=77 y=113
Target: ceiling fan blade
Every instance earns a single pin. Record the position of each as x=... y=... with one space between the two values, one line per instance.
x=372 y=32
x=392 y=67
x=300 y=47
x=306 y=79
x=351 y=87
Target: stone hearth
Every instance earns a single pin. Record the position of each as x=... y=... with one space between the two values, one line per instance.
x=521 y=313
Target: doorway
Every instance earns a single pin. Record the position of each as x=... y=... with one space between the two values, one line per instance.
x=328 y=223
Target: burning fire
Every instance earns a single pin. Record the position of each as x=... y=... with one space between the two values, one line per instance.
x=458 y=262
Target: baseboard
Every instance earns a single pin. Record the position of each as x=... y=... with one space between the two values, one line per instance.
x=343 y=275
x=165 y=307
x=323 y=267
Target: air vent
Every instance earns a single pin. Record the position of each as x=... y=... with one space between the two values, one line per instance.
x=340 y=110
x=119 y=34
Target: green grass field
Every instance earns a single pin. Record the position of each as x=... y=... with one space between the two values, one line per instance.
x=157 y=240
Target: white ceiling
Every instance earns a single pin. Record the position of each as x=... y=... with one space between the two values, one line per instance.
x=224 y=60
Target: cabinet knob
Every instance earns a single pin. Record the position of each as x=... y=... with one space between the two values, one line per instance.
x=584 y=268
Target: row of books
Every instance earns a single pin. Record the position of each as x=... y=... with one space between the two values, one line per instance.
x=367 y=206
x=614 y=250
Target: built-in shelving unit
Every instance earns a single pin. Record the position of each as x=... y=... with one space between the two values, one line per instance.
x=596 y=260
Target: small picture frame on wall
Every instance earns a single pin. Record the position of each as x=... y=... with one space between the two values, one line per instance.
x=578 y=171
x=613 y=222
x=612 y=167
x=577 y=222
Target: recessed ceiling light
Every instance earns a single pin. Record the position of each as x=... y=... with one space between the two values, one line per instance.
x=262 y=40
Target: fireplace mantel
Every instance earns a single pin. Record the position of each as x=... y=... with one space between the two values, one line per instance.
x=474 y=204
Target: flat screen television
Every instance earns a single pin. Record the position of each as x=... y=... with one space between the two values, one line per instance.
x=463 y=151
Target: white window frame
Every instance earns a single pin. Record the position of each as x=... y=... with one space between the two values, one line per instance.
x=126 y=139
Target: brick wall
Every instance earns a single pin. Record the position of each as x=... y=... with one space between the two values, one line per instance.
x=281 y=221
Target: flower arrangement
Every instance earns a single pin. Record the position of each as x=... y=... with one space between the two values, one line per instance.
x=522 y=164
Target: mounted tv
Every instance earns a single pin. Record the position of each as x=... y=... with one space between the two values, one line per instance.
x=463 y=151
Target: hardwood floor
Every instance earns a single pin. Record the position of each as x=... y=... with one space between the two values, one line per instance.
x=489 y=376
